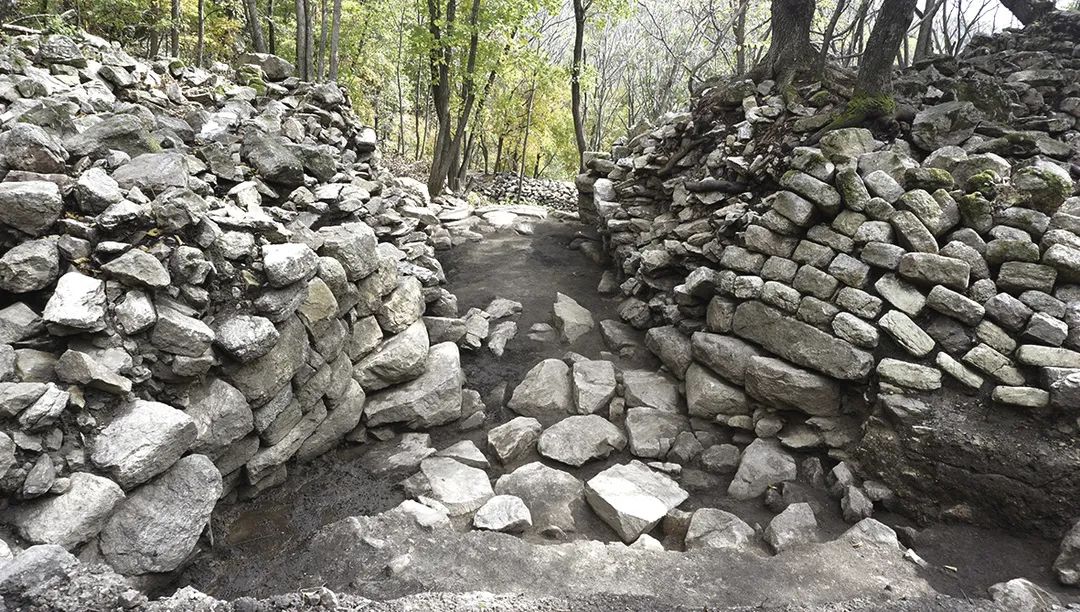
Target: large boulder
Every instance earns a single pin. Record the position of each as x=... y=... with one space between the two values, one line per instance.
x=459 y=487
x=78 y=302
x=154 y=173
x=432 y=399
x=795 y=526
x=764 y=464
x=73 y=517
x=275 y=68
x=800 y=342
x=117 y=133
x=514 y=439
x=552 y=496
x=545 y=393
x=221 y=415
x=572 y=319
x=779 y=383
x=579 y=439
x=1067 y=564
x=713 y=528
x=156 y=527
x=631 y=498
x=396 y=360
x=594 y=385
x=30 y=266
x=261 y=378
x=29 y=148
x=950 y=123
x=143 y=440
x=272 y=159
x=30 y=206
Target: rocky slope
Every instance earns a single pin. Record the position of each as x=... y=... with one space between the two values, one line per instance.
x=904 y=300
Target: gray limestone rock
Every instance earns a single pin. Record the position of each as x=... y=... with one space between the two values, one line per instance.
x=137 y=268
x=579 y=439
x=78 y=302
x=157 y=526
x=143 y=440
x=73 y=517
x=631 y=498
x=221 y=415
x=30 y=206
x=552 y=496
x=795 y=526
x=505 y=513
x=30 y=266
x=514 y=439
x=246 y=337
x=545 y=392
x=571 y=319
x=764 y=464
x=713 y=528
x=434 y=398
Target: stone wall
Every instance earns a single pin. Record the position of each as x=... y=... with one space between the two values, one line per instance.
x=869 y=294
x=202 y=280
x=503 y=188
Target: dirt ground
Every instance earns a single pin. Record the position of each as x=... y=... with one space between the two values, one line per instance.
x=257 y=541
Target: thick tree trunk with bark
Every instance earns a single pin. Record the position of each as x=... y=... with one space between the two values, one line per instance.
x=580 y=9
x=789 y=50
x=251 y=12
x=874 y=82
x=1028 y=11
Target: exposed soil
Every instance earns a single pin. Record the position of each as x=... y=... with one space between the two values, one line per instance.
x=257 y=541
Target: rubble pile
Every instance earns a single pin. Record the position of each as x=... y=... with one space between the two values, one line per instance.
x=202 y=281
x=866 y=294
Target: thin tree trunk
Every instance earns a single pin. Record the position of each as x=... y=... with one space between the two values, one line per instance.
x=309 y=41
x=174 y=29
x=400 y=90
x=301 y=39
x=271 y=28
x=525 y=140
x=580 y=10
x=924 y=47
x=335 y=39
x=251 y=12
x=827 y=37
x=499 y=151
x=740 y=37
x=200 y=49
x=323 y=27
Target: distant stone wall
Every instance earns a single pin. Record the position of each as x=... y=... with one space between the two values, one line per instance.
x=503 y=188
x=869 y=298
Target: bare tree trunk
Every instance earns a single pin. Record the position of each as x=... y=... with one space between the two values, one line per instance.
x=301 y=39
x=309 y=41
x=739 y=30
x=827 y=37
x=251 y=12
x=174 y=29
x=789 y=50
x=580 y=9
x=498 y=152
x=874 y=82
x=525 y=140
x=924 y=46
x=153 y=42
x=335 y=39
x=323 y=27
x=200 y=48
x=400 y=90
x=1028 y=11
x=271 y=28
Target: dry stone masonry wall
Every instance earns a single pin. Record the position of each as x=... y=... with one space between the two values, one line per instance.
x=907 y=301
x=558 y=195
x=202 y=280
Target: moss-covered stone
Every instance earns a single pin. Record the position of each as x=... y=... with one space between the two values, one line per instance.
x=930 y=179
x=976 y=212
x=1043 y=186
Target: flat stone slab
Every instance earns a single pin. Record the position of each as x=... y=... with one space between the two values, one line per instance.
x=632 y=498
x=801 y=343
x=462 y=489
x=579 y=439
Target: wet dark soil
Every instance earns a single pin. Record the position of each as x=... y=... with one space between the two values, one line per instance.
x=257 y=541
